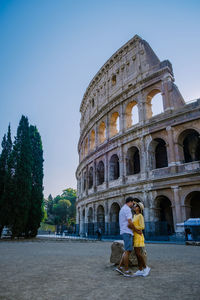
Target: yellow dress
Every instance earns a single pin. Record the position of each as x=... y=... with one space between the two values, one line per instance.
x=138 y=239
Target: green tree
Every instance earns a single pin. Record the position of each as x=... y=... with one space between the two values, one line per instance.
x=36 y=198
x=22 y=178
x=61 y=211
x=5 y=179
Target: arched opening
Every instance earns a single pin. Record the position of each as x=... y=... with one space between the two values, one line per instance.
x=192 y=205
x=90 y=222
x=131 y=114
x=189 y=141
x=154 y=104
x=114 y=219
x=90 y=179
x=100 y=173
x=132 y=161
x=102 y=132
x=86 y=147
x=114 y=167
x=92 y=140
x=161 y=154
x=164 y=215
x=101 y=218
x=114 y=124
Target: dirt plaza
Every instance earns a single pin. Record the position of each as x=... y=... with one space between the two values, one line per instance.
x=52 y=269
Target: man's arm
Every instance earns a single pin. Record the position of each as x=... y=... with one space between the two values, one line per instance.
x=131 y=226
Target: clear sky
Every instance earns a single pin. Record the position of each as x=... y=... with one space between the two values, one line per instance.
x=51 y=49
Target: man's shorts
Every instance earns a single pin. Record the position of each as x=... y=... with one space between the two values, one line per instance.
x=128 y=241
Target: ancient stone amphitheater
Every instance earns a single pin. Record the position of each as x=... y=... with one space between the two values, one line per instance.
x=138 y=138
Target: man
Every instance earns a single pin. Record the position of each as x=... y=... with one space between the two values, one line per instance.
x=125 y=223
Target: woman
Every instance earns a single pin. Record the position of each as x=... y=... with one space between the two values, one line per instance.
x=138 y=239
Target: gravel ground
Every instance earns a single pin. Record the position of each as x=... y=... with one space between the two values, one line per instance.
x=45 y=269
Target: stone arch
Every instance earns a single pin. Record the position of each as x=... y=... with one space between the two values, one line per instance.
x=164 y=214
x=158 y=154
x=189 y=145
x=131 y=114
x=92 y=140
x=100 y=173
x=132 y=161
x=101 y=218
x=192 y=205
x=114 y=124
x=102 y=132
x=90 y=178
x=154 y=103
x=114 y=167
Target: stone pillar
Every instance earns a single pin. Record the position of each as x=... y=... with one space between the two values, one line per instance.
x=95 y=217
x=86 y=220
x=143 y=159
x=81 y=228
x=141 y=107
x=106 y=217
x=121 y=164
x=107 y=127
x=146 y=206
x=177 y=204
x=166 y=90
x=86 y=188
x=96 y=136
x=171 y=152
x=106 y=170
x=95 y=176
x=122 y=121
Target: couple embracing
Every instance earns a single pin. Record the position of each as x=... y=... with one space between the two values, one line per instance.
x=131 y=231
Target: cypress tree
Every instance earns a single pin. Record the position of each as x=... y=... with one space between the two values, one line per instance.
x=36 y=199
x=5 y=177
x=22 y=179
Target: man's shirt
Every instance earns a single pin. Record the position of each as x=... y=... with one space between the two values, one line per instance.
x=125 y=214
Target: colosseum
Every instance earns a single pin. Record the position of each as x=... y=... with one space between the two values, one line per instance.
x=139 y=138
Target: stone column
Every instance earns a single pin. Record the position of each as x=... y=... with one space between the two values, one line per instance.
x=86 y=189
x=171 y=152
x=95 y=217
x=95 y=176
x=177 y=204
x=122 y=121
x=81 y=228
x=96 y=136
x=106 y=170
x=146 y=206
x=141 y=107
x=107 y=127
x=166 y=91
x=121 y=164
x=143 y=159
x=106 y=218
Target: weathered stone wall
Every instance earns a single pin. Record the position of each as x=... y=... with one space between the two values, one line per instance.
x=168 y=166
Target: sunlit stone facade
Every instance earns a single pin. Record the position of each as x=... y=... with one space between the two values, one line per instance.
x=138 y=138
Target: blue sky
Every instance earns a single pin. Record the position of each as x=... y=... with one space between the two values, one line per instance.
x=50 y=50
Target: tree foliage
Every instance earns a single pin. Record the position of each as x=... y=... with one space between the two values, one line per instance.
x=61 y=210
x=21 y=177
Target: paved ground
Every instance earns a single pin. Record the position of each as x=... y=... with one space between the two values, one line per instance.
x=50 y=269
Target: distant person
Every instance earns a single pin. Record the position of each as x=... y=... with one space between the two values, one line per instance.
x=138 y=240
x=99 y=233
x=125 y=220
